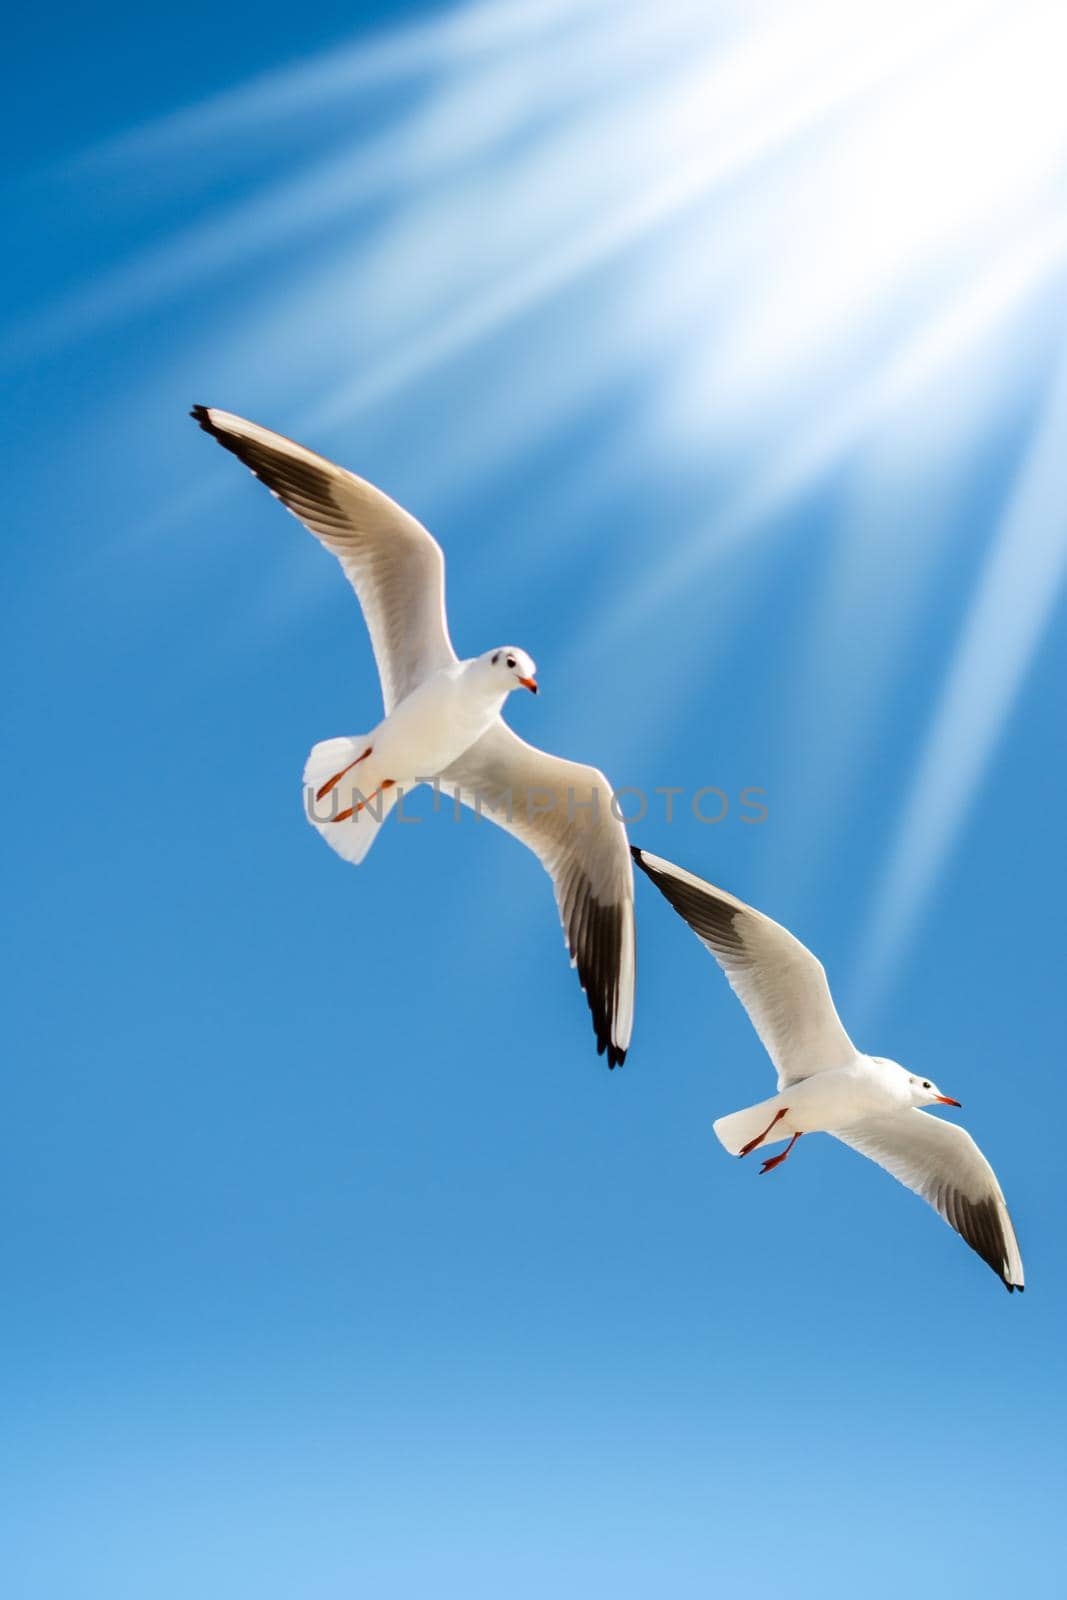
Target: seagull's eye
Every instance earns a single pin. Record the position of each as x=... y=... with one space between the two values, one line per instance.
x=926 y=1086
x=511 y=661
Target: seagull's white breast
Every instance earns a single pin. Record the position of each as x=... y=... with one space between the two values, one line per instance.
x=848 y=1094
x=433 y=726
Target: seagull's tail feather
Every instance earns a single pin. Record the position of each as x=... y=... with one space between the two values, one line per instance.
x=740 y=1127
x=348 y=813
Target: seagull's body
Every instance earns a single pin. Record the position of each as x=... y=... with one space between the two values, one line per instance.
x=433 y=725
x=443 y=721
x=417 y=742
x=867 y=1087
x=826 y=1085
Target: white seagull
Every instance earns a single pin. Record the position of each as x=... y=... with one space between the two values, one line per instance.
x=825 y=1084
x=442 y=721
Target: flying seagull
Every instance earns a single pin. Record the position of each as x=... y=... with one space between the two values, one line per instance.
x=825 y=1084
x=442 y=721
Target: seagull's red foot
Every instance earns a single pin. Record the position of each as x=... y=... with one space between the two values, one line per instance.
x=776 y=1161
x=335 y=780
x=747 y=1149
x=343 y=816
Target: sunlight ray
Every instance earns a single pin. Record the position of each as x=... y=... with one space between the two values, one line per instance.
x=462 y=35
x=437 y=136
x=468 y=115
x=684 y=110
x=1017 y=274
x=1015 y=596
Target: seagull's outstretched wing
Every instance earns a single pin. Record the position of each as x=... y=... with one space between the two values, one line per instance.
x=563 y=812
x=395 y=566
x=941 y=1162
x=779 y=982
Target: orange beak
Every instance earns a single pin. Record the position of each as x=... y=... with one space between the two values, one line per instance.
x=946 y=1100
x=529 y=683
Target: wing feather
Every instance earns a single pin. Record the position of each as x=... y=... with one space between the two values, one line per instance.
x=396 y=568
x=941 y=1162
x=779 y=982
x=562 y=811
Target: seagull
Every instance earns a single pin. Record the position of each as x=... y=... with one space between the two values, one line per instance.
x=825 y=1084
x=442 y=721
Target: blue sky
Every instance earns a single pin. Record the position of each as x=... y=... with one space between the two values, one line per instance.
x=723 y=348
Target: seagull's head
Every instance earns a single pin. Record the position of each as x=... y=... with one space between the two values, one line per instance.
x=511 y=668
x=924 y=1092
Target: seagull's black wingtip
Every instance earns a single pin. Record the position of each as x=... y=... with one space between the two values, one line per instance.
x=605 y=1045
x=202 y=415
x=639 y=856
